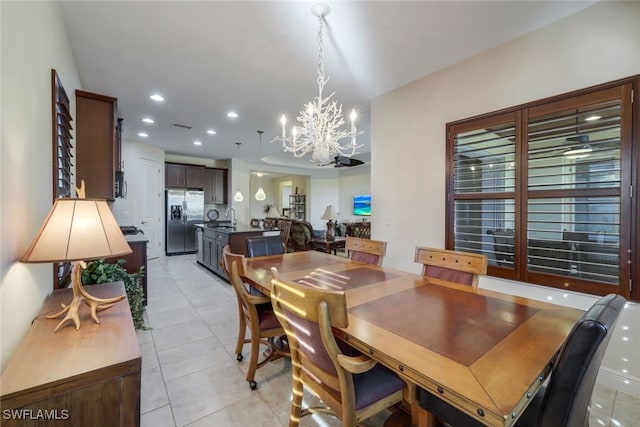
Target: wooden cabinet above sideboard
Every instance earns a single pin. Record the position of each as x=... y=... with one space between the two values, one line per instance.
x=97 y=144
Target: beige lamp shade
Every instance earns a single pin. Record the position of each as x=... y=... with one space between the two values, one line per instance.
x=77 y=229
x=329 y=213
x=273 y=213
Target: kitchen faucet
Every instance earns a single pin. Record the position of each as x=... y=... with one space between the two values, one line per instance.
x=233 y=216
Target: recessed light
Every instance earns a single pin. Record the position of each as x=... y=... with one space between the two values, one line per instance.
x=157 y=97
x=211 y=132
x=232 y=115
x=592 y=118
x=143 y=134
x=197 y=143
x=148 y=120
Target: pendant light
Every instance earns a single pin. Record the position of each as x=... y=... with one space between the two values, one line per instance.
x=260 y=194
x=238 y=197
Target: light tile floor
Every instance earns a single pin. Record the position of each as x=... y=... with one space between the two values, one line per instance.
x=190 y=376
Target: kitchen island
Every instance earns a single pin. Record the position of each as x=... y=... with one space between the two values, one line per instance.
x=216 y=237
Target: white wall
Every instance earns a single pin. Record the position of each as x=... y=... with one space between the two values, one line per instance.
x=33 y=42
x=596 y=45
x=324 y=191
x=352 y=182
x=127 y=210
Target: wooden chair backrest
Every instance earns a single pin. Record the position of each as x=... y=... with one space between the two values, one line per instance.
x=366 y=250
x=451 y=266
x=228 y=257
x=284 y=225
x=234 y=265
x=308 y=315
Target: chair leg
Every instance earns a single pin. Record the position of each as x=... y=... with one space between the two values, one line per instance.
x=296 y=400
x=242 y=330
x=253 y=362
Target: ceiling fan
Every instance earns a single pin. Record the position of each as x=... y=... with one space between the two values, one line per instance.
x=343 y=161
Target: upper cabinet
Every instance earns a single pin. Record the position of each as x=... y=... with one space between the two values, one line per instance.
x=177 y=175
x=215 y=186
x=97 y=144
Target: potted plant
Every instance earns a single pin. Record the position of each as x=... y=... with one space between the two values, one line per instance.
x=99 y=271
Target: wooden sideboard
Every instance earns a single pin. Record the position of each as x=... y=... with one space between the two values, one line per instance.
x=75 y=378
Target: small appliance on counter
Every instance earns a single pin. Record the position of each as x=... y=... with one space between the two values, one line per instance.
x=130 y=230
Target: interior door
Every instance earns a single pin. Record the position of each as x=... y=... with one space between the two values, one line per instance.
x=151 y=206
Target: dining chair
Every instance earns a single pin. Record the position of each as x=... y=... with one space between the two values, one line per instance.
x=284 y=225
x=564 y=398
x=264 y=245
x=352 y=385
x=366 y=250
x=451 y=266
x=254 y=312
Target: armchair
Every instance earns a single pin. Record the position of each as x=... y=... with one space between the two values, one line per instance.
x=300 y=237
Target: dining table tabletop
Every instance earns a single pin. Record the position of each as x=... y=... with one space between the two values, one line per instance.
x=484 y=352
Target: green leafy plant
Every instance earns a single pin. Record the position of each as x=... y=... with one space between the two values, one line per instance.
x=99 y=271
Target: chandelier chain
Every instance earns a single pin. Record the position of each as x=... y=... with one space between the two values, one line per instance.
x=320 y=52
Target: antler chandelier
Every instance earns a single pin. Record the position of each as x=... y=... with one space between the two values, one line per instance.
x=320 y=129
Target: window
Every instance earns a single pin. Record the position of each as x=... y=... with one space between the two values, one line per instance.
x=61 y=149
x=544 y=190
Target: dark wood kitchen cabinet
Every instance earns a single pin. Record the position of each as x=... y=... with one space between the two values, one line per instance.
x=136 y=260
x=177 y=175
x=213 y=242
x=215 y=186
x=98 y=144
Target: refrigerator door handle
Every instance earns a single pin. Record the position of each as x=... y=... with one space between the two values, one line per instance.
x=185 y=211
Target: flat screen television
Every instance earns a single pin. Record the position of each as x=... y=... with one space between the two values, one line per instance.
x=362 y=204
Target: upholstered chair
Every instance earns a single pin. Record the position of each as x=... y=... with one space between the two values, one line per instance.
x=564 y=398
x=353 y=386
x=300 y=236
x=264 y=245
x=451 y=266
x=366 y=250
x=254 y=312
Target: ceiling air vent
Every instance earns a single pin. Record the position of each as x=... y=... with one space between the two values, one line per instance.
x=178 y=125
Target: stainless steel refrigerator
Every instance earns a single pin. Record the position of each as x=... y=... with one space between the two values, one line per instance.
x=185 y=209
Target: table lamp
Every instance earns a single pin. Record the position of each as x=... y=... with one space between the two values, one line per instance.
x=78 y=230
x=273 y=213
x=330 y=214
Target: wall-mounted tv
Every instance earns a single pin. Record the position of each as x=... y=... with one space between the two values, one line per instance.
x=362 y=204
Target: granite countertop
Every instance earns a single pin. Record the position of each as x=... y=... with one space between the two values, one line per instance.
x=133 y=238
x=240 y=228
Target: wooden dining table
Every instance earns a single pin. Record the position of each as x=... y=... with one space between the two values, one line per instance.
x=484 y=352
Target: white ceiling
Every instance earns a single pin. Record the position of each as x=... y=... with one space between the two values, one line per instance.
x=260 y=58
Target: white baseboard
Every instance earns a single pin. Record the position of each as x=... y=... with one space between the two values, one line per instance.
x=615 y=380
